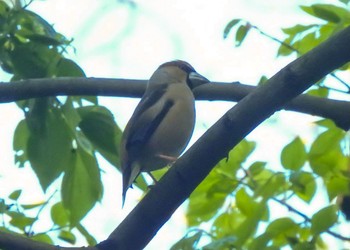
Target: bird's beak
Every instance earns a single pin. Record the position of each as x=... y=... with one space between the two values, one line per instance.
x=197 y=79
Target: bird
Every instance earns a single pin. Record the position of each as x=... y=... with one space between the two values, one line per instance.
x=162 y=124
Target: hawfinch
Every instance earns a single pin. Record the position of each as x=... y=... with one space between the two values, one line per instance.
x=162 y=123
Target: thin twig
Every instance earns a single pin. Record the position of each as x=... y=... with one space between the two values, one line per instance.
x=297 y=51
x=40 y=210
x=306 y=218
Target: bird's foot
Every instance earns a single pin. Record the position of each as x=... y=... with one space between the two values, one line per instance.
x=167 y=157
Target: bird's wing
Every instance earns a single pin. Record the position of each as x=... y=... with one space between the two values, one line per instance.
x=147 y=117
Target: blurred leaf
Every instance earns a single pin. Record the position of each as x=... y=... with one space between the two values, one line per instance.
x=221 y=244
x=42 y=238
x=67 y=236
x=211 y=194
x=319 y=91
x=67 y=67
x=299 y=28
x=308 y=42
x=242 y=32
x=187 y=242
x=98 y=125
x=227 y=223
x=245 y=203
x=59 y=215
x=294 y=155
x=337 y=185
x=263 y=79
x=327 y=123
x=88 y=237
x=303 y=185
x=81 y=185
x=256 y=168
x=249 y=226
x=236 y=157
x=324 y=219
x=275 y=185
x=31 y=206
x=20 y=139
x=15 y=194
x=50 y=148
x=327 y=12
x=229 y=26
x=3 y=206
x=325 y=155
x=20 y=221
x=280 y=231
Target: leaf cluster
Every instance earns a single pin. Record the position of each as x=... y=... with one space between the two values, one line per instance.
x=235 y=200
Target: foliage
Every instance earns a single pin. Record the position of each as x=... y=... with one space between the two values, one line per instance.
x=236 y=201
x=59 y=137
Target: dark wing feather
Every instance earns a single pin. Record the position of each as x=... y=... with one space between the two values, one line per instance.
x=140 y=134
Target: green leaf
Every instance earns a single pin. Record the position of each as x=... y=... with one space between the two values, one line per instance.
x=294 y=155
x=280 y=232
x=42 y=238
x=242 y=32
x=81 y=185
x=20 y=139
x=59 y=215
x=211 y=194
x=275 y=185
x=88 y=237
x=324 y=219
x=229 y=26
x=337 y=185
x=304 y=185
x=326 y=123
x=98 y=125
x=325 y=155
x=49 y=148
x=236 y=157
x=245 y=203
x=326 y=13
x=222 y=243
x=3 y=206
x=249 y=226
x=227 y=223
x=67 y=236
x=297 y=29
x=319 y=91
x=20 y=221
x=321 y=11
x=67 y=67
x=15 y=194
x=31 y=206
x=187 y=242
x=256 y=168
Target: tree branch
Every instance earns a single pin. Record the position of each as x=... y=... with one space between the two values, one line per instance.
x=33 y=88
x=140 y=226
x=18 y=242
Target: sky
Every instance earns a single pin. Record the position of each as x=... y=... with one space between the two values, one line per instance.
x=121 y=40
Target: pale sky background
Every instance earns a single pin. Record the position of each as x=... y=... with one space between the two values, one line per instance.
x=114 y=39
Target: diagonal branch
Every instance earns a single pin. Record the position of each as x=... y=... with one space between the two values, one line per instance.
x=140 y=226
x=32 y=88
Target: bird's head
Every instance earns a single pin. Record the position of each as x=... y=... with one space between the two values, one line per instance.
x=178 y=71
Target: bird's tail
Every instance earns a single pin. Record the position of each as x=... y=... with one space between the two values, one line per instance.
x=129 y=176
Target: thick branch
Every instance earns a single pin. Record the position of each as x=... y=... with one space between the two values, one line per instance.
x=17 y=242
x=140 y=226
x=14 y=91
